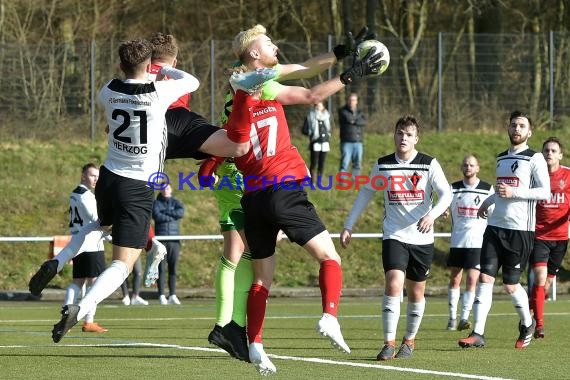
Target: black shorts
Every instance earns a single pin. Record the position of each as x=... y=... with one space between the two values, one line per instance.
x=274 y=208
x=89 y=264
x=187 y=131
x=414 y=260
x=509 y=249
x=550 y=252
x=125 y=204
x=466 y=258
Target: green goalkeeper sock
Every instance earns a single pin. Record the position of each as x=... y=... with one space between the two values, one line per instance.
x=243 y=281
x=224 y=291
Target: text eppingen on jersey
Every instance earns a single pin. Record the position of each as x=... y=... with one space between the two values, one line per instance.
x=405 y=186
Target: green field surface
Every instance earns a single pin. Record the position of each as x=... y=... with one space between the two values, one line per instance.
x=169 y=342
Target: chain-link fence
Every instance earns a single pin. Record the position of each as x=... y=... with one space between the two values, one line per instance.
x=451 y=82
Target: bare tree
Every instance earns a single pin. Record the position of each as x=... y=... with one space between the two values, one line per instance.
x=416 y=12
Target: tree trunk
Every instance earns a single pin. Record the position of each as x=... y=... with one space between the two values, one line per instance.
x=535 y=95
x=411 y=51
x=336 y=18
x=472 y=50
x=372 y=95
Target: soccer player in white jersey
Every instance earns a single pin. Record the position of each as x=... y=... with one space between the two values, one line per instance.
x=409 y=180
x=522 y=180
x=86 y=267
x=466 y=239
x=189 y=136
x=551 y=240
x=135 y=113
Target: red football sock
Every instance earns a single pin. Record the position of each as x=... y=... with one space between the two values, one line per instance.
x=256 y=305
x=538 y=295
x=330 y=282
x=150 y=236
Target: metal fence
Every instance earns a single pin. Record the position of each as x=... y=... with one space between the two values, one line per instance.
x=452 y=82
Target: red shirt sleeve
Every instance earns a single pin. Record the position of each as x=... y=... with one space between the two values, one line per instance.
x=238 y=125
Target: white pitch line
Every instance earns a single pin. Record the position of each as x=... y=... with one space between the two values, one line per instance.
x=280 y=357
x=386 y=367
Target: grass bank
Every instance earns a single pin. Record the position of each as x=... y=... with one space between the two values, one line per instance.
x=37 y=177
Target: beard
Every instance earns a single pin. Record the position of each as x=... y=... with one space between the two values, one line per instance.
x=518 y=140
x=270 y=62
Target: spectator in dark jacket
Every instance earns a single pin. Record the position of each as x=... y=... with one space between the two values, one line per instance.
x=351 y=123
x=318 y=126
x=167 y=212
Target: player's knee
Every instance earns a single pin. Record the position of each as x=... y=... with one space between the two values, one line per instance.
x=511 y=281
x=510 y=288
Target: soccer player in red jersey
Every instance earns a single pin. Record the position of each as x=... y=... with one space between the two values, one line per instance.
x=551 y=239
x=274 y=172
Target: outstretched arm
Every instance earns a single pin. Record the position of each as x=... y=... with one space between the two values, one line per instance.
x=316 y=65
x=307 y=69
x=370 y=64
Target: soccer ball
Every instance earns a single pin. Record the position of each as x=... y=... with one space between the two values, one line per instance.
x=365 y=46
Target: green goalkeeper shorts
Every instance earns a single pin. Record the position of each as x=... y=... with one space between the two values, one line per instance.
x=229 y=191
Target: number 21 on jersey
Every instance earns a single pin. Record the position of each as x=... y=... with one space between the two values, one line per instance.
x=120 y=114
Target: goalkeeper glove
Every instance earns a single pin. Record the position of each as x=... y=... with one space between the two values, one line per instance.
x=369 y=64
x=349 y=48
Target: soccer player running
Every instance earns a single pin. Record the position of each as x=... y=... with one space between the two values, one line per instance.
x=522 y=180
x=551 y=238
x=273 y=170
x=466 y=239
x=409 y=179
x=134 y=111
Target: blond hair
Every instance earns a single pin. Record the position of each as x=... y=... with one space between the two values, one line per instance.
x=244 y=38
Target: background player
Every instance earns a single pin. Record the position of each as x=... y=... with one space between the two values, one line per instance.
x=522 y=179
x=466 y=239
x=411 y=178
x=86 y=267
x=551 y=240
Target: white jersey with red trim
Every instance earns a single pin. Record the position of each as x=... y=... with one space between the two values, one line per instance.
x=466 y=227
x=135 y=113
x=82 y=211
x=409 y=189
x=527 y=173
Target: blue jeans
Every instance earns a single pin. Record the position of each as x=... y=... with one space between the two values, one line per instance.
x=351 y=151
